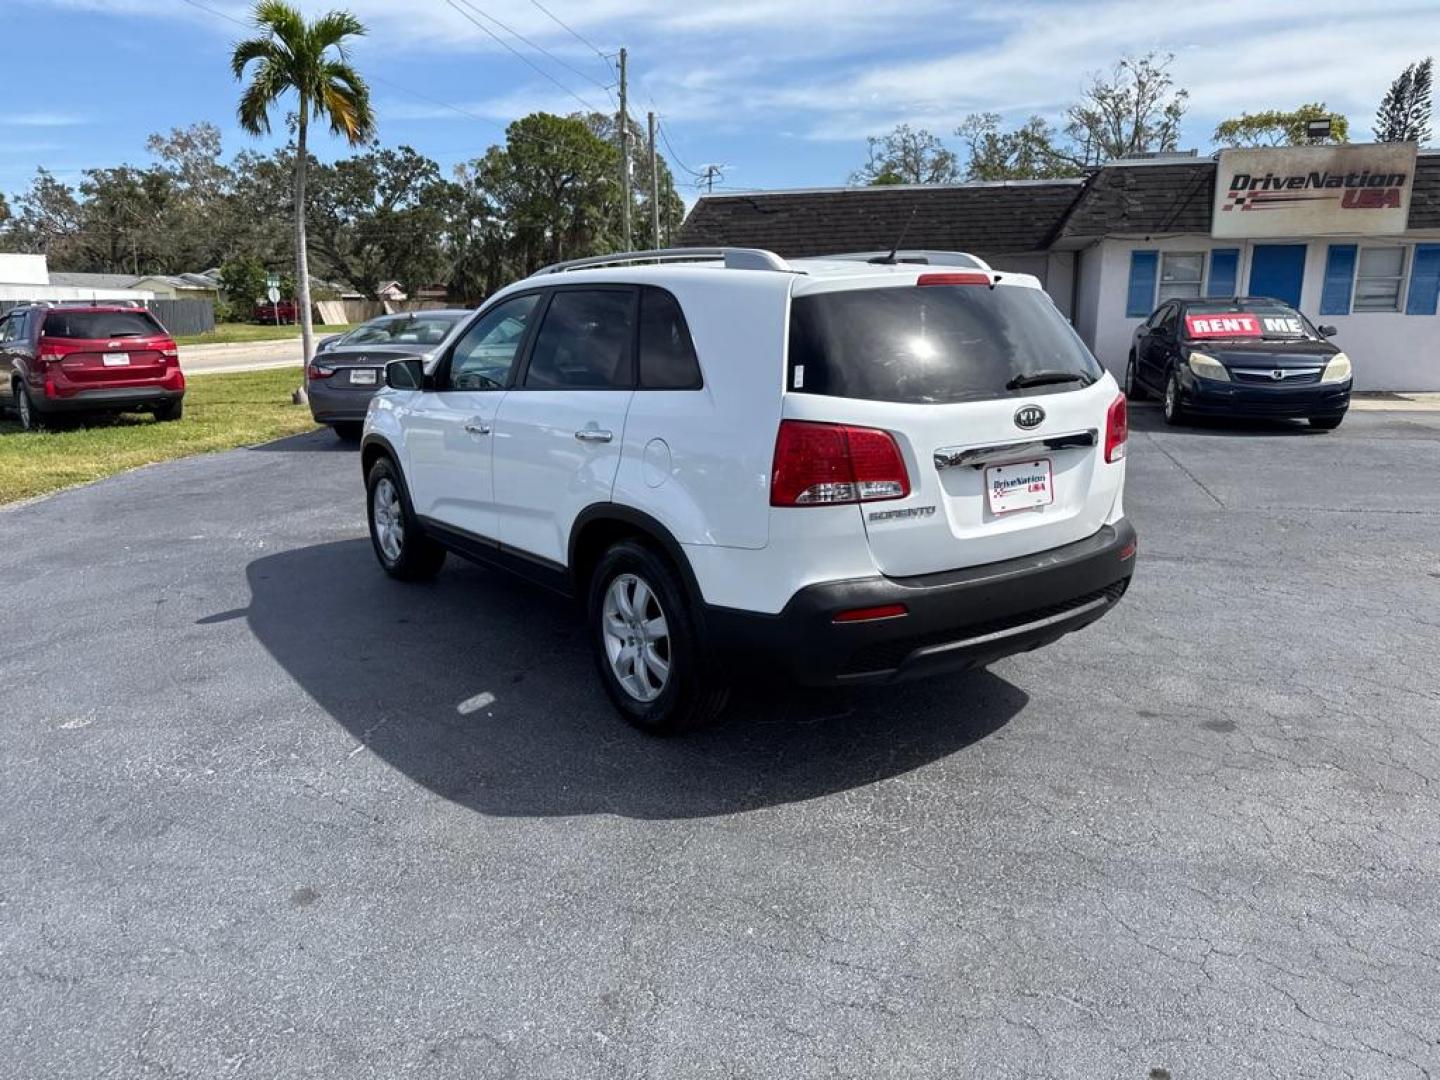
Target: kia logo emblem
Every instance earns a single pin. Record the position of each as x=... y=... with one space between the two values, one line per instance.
x=1029 y=416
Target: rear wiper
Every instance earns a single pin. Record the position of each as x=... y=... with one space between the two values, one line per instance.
x=1046 y=378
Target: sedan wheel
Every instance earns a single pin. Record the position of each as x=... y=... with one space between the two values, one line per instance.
x=1132 y=386
x=1171 y=407
x=389 y=519
x=637 y=637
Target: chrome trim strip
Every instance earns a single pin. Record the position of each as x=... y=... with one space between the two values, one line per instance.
x=1268 y=373
x=952 y=457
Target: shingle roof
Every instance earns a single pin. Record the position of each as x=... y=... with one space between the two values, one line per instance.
x=989 y=219
x=93 y=281
x=1178 y=198
x=1173 y=197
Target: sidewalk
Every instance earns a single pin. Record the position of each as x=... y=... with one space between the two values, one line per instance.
x=1377 y=401
x=239 y=356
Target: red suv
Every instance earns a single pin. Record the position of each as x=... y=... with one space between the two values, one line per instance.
x=60 y=360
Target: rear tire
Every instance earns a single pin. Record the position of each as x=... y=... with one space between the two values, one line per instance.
x=170 y=411
x=1133 y=390
x=401 y=546
x=348 y=430
x=1170 y=406
x=652 y=660
x=31 y=418
x=1326 y=423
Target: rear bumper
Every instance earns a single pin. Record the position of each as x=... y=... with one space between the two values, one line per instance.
x=338 y=405
x=130 y=397
x=954 y=620
x=1213 y=398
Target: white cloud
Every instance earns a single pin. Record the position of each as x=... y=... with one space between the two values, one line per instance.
x=41 y=119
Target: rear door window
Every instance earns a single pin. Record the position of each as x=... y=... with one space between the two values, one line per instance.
x=932 y=344
x=93 y=325
x=585 y=342
x=667 y=355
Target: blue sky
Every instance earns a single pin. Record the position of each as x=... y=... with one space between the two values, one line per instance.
x=780 y=92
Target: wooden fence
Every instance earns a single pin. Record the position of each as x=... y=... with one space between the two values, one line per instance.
x=179 y=317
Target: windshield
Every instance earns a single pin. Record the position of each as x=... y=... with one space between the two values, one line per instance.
x=93 y=325
x=1266 y=321
x=934 y=344
x=426 y=329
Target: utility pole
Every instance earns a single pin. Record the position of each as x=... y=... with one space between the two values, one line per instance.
x=654 y=190
x=624 y=161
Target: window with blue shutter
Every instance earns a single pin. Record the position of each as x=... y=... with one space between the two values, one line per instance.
x=1424 y=280
x=1144 y=269
x=1224 y=272
x=1339 y=280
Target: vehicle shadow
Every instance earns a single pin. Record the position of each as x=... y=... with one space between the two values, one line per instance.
x=1148 y=418
x=320 y=441
x=481 y=688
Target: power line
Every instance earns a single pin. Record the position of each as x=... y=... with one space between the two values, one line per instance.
x=574 y=33
x=519 y=55
x=538 y=48
x=665 y=138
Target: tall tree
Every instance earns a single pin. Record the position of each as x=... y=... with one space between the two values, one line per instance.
x=1405 y=113
x=1027 y=153
x=1134 y=110
x=1276 y=127
x=907 y=156
x=310 y=61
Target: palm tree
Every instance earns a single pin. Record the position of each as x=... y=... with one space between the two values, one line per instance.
x=308 y=59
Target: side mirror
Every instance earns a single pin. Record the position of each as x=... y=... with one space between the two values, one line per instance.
x=405 y=375
x=1327 y=331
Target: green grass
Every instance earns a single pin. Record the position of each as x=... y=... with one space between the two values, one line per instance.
x=221 y=412
x=229 y=333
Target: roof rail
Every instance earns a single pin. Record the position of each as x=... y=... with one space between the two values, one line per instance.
x=733 y=257
x=923 y=258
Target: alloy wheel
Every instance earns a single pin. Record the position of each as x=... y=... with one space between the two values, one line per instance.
x=389 y=519
x=637 y=638
x=22 y=409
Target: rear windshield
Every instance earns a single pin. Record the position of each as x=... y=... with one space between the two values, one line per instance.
x=100 y=324
x=407 y=330
x=934 y=344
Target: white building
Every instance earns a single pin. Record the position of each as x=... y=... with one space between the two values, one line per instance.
x=27 y=277
x=1364 y=258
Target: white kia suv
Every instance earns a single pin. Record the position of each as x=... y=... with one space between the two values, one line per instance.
x=853 y=468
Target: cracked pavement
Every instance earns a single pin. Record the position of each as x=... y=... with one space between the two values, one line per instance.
x=247 y=828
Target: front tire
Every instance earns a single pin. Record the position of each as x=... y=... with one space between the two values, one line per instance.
x=1326 y=423
x=402 y=548
x=1170 y=406
x=649 y=651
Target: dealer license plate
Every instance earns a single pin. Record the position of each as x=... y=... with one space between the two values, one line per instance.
x=1021 y=485
x=116 y=359
x=362 y=376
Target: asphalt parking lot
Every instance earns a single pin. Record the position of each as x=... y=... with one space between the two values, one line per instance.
x=265 y=813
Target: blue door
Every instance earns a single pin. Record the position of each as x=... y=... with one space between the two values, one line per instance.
x=1278 y=271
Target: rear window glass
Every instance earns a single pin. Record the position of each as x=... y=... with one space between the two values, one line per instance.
x=100 y=324
x=667 y=355
x=933 y=344
x=419 y=330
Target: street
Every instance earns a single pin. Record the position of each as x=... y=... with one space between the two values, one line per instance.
x=267 y=813
x=239 y=356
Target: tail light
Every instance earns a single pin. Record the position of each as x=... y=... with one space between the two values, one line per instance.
x=963 y=277
x=831 y=464
x=49 y=353
x=169 y=354
x=315 y=371
x=1117 y=430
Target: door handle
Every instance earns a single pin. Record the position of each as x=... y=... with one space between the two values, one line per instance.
x=593 y=435
x=477 y=427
